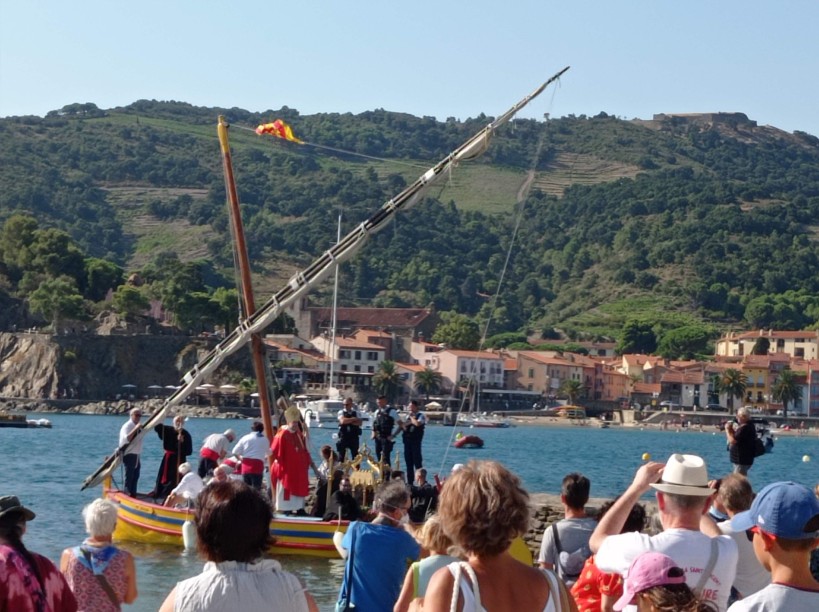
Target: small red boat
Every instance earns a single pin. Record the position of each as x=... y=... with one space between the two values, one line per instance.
x=469 y=442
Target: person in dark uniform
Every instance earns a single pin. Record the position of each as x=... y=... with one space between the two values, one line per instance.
x=349 y=430
x=412 y=436
x=178 y=445
x=385 y=427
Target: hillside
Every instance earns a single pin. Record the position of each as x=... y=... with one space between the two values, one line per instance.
x=680 y=220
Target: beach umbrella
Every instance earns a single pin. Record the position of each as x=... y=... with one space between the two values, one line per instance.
x=155 y=387
x=207 y=386
x=129 y=386
x=433 y=405
x=229 y=388
x=254 y=395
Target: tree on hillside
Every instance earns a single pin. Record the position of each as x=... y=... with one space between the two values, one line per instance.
x=15 y=240
x=387 y=380
x=100 y=277
x=57 y=299
x=637 y=337
x=685 y=342
x=130 y=301
x=457 y=331
x=733 y=383
x=761 y=346
x=786 y=389
x=428 y=381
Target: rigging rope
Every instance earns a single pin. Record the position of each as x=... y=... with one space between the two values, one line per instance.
x=522 y=196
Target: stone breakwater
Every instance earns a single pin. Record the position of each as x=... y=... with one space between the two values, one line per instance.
x=118 y=407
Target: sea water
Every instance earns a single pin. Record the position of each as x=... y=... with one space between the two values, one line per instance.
x=46 y=467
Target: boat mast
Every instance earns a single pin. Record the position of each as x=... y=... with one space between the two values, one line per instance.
x=335 y=308
x=248 y=302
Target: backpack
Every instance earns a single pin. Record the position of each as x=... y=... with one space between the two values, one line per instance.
x=569 y=565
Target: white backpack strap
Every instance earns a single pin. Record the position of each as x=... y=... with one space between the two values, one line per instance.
x=555 y=591
x=456 y=589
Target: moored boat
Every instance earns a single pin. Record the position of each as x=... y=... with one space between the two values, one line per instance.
x=483 y=421
x=469 y=442
x=143 y=521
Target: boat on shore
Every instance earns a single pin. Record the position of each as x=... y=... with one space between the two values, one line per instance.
x=20 y=421
x=483 y=420
x=141 y=520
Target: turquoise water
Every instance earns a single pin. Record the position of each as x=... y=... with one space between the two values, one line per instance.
x=45 y=468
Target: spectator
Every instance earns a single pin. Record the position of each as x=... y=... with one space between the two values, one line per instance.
x=655 y=584
x=101 y=575
x=741 y=442
x=596 y=591
x=784 y=519
x=326 y=485
x=424 y=497
x=683 y=496
x=483 y=508
x=734 y=496
x=188 y=489
x=441 y=552
x=28 y=582
x=233 y=533
x=565 y=544
x=252 y=451
x=377 y=553
x=214 y=450
x=127 y=433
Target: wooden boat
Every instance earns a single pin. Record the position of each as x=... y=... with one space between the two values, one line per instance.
x=143 y=521
x=469 y=442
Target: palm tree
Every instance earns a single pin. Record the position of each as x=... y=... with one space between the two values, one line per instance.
x=633 y=379
x=428 y=381
x=732 y=382
x=387 y=379
x=786 y=389
x=572 y=388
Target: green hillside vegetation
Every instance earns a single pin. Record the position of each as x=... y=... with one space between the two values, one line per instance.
x=673 y=223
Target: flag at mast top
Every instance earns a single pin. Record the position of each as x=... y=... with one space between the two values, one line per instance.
x=278 y=129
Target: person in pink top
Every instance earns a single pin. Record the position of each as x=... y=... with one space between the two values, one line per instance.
x=101 y=575
x=28 y=582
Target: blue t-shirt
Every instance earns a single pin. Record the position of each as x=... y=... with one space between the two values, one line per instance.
x=380 y=560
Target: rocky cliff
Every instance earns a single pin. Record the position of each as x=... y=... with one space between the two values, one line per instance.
x=95 y=367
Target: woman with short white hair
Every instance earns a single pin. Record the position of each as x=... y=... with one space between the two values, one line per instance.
x=102 y=576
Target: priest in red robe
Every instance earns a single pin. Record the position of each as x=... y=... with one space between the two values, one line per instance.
x=290 y=461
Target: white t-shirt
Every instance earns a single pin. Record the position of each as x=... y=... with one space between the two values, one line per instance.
x=690 y=550
x=217 y=442
x=252 y=446
x=124 y=432
x=751 y=575
x=190 y=486
x=776 y=597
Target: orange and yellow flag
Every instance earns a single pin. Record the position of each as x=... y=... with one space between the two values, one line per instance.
x=278 y=129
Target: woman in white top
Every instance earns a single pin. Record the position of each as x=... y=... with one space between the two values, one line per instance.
x=483 y=507
x=232 y=533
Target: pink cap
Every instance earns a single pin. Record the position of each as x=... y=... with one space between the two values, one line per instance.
x=649 y=570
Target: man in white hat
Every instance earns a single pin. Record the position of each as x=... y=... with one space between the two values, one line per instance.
x=683 y=497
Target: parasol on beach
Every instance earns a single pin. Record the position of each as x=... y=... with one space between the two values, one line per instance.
x=433 y=406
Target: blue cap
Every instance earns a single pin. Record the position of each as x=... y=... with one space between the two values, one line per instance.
x=784 y=509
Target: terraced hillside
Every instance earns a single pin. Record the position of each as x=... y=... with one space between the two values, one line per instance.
x=569 y=169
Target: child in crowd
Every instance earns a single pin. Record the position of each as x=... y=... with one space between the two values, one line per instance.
x=784 y=519
x=655 y=584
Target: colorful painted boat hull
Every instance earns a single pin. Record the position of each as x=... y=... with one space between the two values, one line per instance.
x=141 y=521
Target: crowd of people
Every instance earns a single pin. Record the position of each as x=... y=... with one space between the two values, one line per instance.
x=715 y=545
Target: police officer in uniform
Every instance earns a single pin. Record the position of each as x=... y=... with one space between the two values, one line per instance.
x=413 y=434
x=385 y=428
x=349 y=430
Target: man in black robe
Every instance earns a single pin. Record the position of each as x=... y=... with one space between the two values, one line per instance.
x=178 y=445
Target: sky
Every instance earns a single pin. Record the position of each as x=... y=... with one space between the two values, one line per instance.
x=450 y=58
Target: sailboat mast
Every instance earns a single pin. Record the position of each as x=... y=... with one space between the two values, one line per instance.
x=334 y=320
x=240 y=246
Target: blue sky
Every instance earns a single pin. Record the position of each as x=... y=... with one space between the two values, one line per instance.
x=444 y=59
